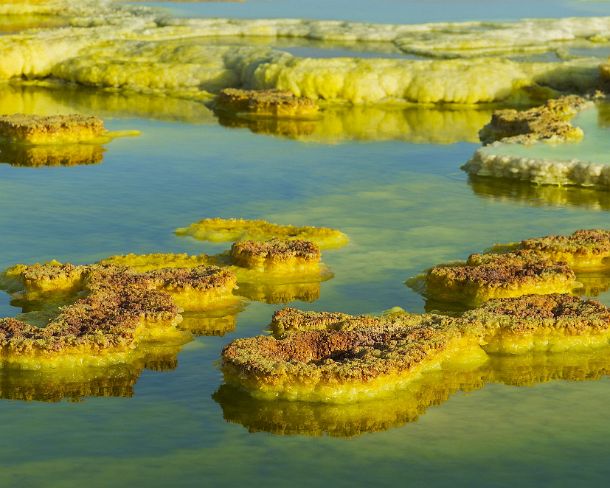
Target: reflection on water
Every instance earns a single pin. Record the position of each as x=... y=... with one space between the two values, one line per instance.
x=9 y=24
x=365 y=123
x=51 y=155
x=50 y=99
x=314 y=419
x=76 y=384
x=280 y=293
x=539 y=195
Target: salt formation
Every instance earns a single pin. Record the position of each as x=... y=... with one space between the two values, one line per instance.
x=123 y=47
x=342 y=359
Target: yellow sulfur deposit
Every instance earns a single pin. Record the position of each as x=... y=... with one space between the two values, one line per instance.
x=335 y=358
x=109 y=313
x=584 y=250
x=541 y=265
x=274 y=103
x=342 y=366
x=223 y=230
x=56 y=129
x=277 y=256
x=483 y=277
x=550 y=123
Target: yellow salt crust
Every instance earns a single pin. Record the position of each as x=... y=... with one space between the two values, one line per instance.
x=122 y=47
x=148 y=333
x=232 y=230
x=584 y=250
x=150 y=262
x=462 y=351
x=546 y=340
x=269 y=103
x=278 y=256
x=473 y=295
x=52 y=129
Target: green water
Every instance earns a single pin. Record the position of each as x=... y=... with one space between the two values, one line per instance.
x=393 y=184
x=405 y=206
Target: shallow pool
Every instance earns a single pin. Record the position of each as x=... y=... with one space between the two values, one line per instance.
x=391 y=181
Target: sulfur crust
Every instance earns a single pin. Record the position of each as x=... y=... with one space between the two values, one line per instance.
x=121 y=310
x=278 y=256
x=51 y=129
x=336 y=358
x=223 y=230
x=584 y=250
x=549 y=123
x=150 y=262
x=293 y=385
x=485 y=277
x=274 y=103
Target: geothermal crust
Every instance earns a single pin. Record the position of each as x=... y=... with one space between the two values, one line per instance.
x=50 y=129
x=344 y=359
x=535 y=266
x=277 y=103
x=548 y=123
x=526 y=308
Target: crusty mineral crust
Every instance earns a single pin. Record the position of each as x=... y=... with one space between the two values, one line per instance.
x=276 y=254
x=327 y=357
x=532 y=313
x=290 y=320
x=122 y=306
x=486 y=276
x=549 y=122
x=584 y=249
x=315 y=359
x=232 y=230
x=276 y=103
x=50 y=129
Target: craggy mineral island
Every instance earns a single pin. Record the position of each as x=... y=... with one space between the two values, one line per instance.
x=398 y=321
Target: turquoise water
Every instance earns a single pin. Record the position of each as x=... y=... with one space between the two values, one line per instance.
x=391 y=181
x=389 y=11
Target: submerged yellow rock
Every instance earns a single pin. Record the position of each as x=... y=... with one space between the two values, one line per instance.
x=226 y=230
